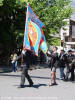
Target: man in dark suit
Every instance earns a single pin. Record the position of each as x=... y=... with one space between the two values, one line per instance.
x=26 y=64
x=70 y=66
x=62 y=63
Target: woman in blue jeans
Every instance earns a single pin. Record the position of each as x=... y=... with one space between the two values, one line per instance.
x=14 y=66
x=14 y=62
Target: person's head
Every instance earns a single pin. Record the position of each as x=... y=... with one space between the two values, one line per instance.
x=70 y=52
x=62 y=52
x=55 y=49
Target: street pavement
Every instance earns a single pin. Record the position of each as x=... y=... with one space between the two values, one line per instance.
x=9 y=83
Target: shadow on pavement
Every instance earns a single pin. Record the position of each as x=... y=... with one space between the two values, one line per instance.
x=39 y=85
x=35 y=86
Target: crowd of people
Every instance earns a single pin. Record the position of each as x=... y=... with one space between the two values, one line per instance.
x=62 y=61
x=54 y=60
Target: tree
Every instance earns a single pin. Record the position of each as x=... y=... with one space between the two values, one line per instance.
x=12 y=22
x=52 y=13
x=13 y=15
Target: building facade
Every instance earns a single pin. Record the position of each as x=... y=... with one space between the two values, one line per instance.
x=67 y=34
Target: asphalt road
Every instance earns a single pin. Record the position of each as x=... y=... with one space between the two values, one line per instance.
x=41 y=90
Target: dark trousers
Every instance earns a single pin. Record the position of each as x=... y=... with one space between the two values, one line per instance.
x=25 y=75
x=72 y=74
x=67 y=73
x=14 y=66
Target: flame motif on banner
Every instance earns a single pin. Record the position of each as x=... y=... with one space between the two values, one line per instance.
x=32 y=34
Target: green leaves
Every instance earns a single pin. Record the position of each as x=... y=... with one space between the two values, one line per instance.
x=1 y=2
x=12 y=23
x=13 y=16
x=52 y=15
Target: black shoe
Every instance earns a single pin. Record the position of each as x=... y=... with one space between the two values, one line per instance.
x=66 y=79
x=71 y=79
x=55 y=83
x=52 y=84
x=21 y=86
x=31 y=84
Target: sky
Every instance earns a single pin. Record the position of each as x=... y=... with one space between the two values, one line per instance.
x=73 y=3
x=73 y=15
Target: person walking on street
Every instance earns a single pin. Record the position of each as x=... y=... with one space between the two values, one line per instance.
x=54 y=58
x=26 y=65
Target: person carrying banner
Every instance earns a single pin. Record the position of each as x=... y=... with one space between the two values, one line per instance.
x=26 y=54
x=33 y=40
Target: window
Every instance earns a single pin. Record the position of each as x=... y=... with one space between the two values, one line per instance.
x=73 y=31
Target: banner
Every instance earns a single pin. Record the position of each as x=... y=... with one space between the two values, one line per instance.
x=43 y=44
x=33 y=35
